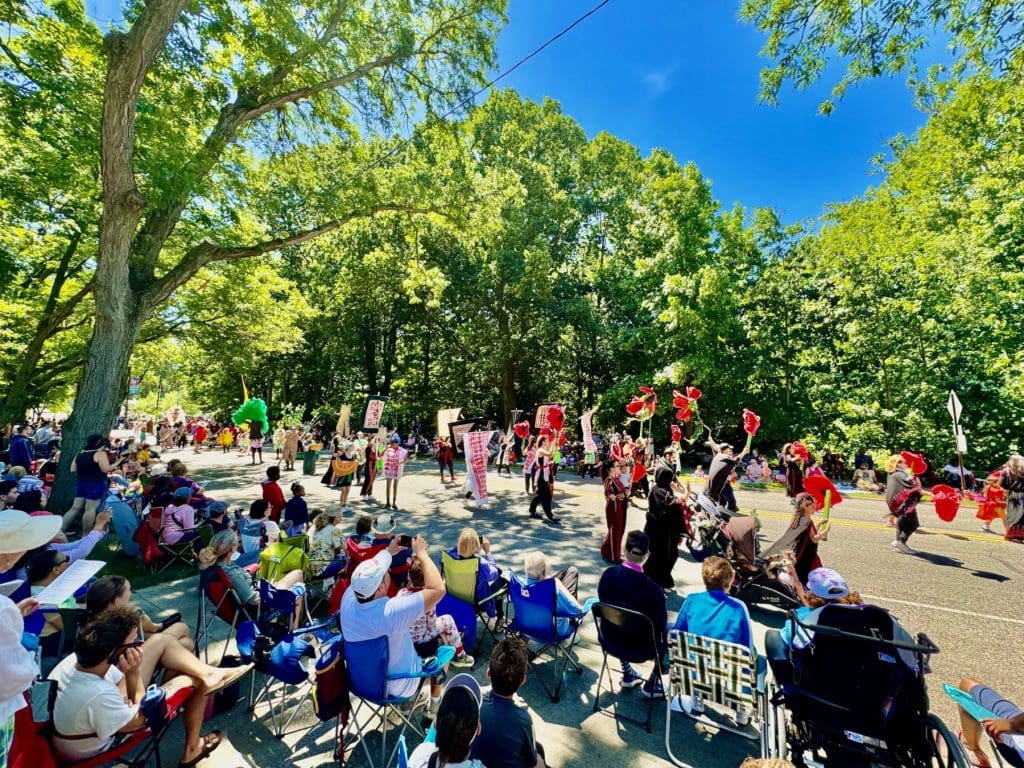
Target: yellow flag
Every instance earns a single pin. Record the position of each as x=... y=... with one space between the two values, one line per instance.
x=245 y=391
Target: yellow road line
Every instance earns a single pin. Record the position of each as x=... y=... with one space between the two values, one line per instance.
x=569 y=490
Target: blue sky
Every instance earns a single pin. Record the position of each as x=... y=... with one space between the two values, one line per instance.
x=683 y=75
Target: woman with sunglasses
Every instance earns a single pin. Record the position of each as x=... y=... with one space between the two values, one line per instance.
x=801 y=538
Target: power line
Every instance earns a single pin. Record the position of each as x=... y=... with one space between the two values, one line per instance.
x=487 y=86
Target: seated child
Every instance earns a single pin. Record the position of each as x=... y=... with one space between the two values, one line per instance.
x=296 y=513
x=431 y=631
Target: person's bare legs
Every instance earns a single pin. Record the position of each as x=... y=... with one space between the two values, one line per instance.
x=89 y=516
x=192 y=716
x=162 y=650
x=971 y=728
x=183 y=634
x=394 y=493
x=289 y=580
x=68 y=523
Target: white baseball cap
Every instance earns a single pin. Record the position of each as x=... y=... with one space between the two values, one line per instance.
x=370 y=573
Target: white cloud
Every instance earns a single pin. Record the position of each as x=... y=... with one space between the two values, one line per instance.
x=659 y=81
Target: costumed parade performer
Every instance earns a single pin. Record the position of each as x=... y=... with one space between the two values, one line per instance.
x=254 y=411
x=543 y=478
x=800 y=541
x=902 y=495
x=369 y=468
x=1012 y=480
x=994 y=505
x=394 y=464
x=614 y=512
x=446 y=458
x=664 y=527
x=530 y=458
x=794 y=458
x=718 y=488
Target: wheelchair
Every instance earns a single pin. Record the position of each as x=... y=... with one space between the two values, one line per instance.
x=857 y=698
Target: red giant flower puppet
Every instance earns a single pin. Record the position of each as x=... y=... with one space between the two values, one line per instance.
x=686 y=405
x=677 y=434
x=522 y=429
x=642 y=408
x=947 y=502
x=799 y=451
x=556 y=420
x=825 y=496
x=751 y=423
x=915 y=462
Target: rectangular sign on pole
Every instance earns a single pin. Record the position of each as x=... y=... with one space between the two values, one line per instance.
x=961 y=442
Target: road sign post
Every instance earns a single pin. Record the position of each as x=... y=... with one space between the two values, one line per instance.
x=956 y=409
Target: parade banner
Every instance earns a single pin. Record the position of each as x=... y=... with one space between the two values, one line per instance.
x=344 y=417
x=445 y=417
x=456 y=429
x=475 y=445
x=373 y=413
x=540 y=418
x=588 y=432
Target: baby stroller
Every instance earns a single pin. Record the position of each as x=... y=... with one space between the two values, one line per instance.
x=858 y=696
x=757 y=582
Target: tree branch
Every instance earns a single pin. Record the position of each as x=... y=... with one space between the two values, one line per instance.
x=207 y=252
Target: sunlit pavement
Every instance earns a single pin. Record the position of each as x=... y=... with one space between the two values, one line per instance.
x=962 y=589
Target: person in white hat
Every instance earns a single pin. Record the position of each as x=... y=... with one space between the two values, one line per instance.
x=19 y=532
x=367 y=613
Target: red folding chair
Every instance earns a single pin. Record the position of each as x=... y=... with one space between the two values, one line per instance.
x=215 y=587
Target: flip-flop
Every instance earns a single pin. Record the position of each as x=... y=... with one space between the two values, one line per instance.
x=210 y=742
x=236 y=674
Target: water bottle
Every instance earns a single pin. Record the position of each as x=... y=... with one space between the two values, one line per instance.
x=152 y=707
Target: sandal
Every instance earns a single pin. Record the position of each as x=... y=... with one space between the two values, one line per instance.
x=210 y=742
x=233 y=676
x=978 y=758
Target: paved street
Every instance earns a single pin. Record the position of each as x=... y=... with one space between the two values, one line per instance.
x=963 y=590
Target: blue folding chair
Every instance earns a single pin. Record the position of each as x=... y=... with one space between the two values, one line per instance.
x=464 y=615
x=277 y=606
x=537 y=617
x=367 y=662
x=283 y=664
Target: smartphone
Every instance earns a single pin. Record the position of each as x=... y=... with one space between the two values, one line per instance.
x=116 y=655
x=405 y=540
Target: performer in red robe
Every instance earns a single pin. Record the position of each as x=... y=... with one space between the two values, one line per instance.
x=614 y=512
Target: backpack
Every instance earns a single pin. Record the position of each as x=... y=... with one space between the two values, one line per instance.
x=149 y=548
x=330 y=683
x=279 y=558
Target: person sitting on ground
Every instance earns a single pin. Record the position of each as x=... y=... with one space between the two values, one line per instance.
x=566 y=586
x=864 y=479
x=627 y=586
x=8 y=494
x=179 y=475
x=449 y=742
x=488 y=575
x=221 y=551
x=506 y=738
x=218 y=517
x=430 y=631
x=715 y=614
x=109 y=591
x=101 y=685
x=1006 y=728
x=296 y=511
x=82 y=547
x=367 y=613
x=272 y=493
x=179 y=519
x=698 y=472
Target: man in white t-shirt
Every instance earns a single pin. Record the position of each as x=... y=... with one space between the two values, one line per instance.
x=99 y=694
x=367 y=613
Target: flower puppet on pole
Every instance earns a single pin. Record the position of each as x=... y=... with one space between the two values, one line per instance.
x=825 y=497
x=751 y=423
x=677 y=434
x=799 y=451
x=686 y=406
x=522 y=429
x=642 y=408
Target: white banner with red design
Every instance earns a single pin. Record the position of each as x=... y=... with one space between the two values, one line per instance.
x=475 y=445
x=588 y=431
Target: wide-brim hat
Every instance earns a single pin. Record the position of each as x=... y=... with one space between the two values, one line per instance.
x=20 y=532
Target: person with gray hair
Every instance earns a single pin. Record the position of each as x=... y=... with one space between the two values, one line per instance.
x=566 y=584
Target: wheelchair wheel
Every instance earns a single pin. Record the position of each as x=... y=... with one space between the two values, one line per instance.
x=947 y=750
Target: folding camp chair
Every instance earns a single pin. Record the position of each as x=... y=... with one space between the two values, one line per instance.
x=182 y=552
x=630 y=637
x=282 y=662
x=460 y=579
x=536 y=617
x=724 y=674
x=137 y=749
x=280 y=558
x=367 y=662
x=216 y=590
x=277 y=606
